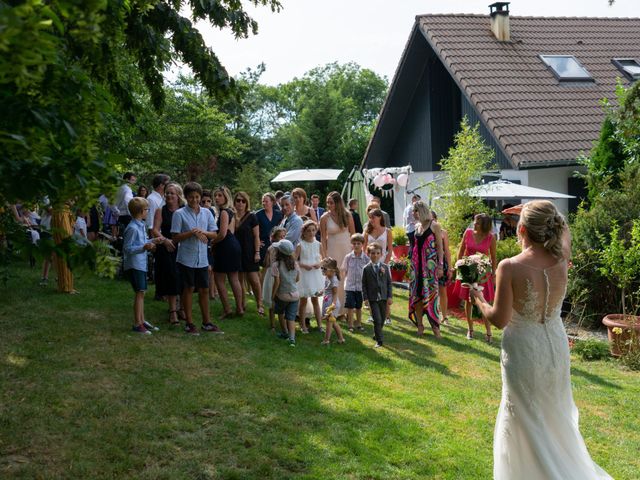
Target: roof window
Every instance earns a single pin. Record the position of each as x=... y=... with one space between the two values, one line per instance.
x=566 y=68
x=629 y=66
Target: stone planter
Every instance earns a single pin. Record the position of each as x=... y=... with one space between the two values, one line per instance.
x=619 y=340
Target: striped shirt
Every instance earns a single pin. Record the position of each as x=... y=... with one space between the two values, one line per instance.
x=353 y=265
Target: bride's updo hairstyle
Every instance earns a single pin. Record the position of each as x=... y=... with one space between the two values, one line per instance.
x=544 y=225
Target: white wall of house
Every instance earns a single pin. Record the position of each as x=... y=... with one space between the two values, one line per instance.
x=555 y=179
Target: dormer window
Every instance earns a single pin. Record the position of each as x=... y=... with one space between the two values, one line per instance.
x=566 y=68
x=629 y=66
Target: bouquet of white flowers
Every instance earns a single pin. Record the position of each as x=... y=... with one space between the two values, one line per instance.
x=473 y=270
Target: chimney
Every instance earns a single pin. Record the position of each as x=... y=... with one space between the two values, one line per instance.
x=499 y=12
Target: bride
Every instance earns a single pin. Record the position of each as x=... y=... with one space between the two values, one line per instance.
x=536 y=434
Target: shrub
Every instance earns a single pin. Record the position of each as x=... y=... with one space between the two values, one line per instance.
x=631 y=359
x=399 y=235
x=591 y=349
x=399 y=263
x=509 y=247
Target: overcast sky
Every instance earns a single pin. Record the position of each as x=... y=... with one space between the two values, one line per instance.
x=372 y=33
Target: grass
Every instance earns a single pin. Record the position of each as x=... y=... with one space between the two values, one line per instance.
x=83 y=397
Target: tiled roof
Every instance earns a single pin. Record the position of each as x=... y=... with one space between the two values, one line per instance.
x=537 y=119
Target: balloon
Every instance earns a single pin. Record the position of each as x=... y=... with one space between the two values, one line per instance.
x=378 y=180
x=403 y=179
x=387 y=179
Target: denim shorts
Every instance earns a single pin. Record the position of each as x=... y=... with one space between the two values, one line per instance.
x=353 y=299
x=290 y=309
x=138 y=279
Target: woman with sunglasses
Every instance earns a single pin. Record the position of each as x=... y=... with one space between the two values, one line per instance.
x=248 y=234
x=226 y=253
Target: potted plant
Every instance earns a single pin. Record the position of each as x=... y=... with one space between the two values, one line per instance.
x=399 y=268
x=400 y=241
x=621 y=264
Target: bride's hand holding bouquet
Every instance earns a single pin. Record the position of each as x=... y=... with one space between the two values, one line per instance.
x=473 y=270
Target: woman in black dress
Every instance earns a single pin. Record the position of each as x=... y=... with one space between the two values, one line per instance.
x=226 y=253
x=248 y=234
x=166 y=273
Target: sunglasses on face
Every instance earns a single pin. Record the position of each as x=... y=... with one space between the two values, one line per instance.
x=240 y=200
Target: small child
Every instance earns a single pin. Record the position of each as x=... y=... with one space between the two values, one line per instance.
x=207 y=202
x=277 y=233
x=331 y=302
x=192 y=227
x=376 y=289
x=135 y=246
x=80 y=226
x=285 y=290
x=351 y=269
x=309 y=253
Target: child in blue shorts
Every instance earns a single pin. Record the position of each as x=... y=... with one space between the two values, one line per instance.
x=135 y=246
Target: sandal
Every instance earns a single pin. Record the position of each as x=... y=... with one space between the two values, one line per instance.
x=261 y=311
x=420 y=330
x=469 y=334
x=488 y=338
x=342 y=341
x=174 y=320
x=226 y=315
x=181 y=314
x=325 y=342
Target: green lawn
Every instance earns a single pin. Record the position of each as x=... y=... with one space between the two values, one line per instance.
x=83 y=397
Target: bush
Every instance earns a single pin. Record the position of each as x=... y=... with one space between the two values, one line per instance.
x=591 y=349
x=399 y=235
x=507 y=248
x=399 y=263
x=631 y=359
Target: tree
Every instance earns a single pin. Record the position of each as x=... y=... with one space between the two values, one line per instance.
x=468 y=159
x=66 y=65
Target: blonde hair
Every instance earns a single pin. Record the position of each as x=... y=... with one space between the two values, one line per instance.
x=331 y=264
x=485 y=222
x=357 y=237
x=137 y=205
x=374 y=246
x=226 y=193
x=424 y=212
x=544 y=225
x=179 y=193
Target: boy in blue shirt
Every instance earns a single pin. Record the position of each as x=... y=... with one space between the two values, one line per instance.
x=135 y=246
x=192 y=227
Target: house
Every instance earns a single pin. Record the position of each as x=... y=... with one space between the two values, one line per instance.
x=534 y=84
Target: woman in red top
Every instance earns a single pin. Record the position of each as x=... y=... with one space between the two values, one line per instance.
x=478 y=240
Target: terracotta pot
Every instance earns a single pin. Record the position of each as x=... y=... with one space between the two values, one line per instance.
x=400 y=251
x=619 y=342
x=397 y=275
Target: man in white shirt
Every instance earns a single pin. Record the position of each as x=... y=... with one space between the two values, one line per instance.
x=156 y=198
x=123 y=196
x=409 y=221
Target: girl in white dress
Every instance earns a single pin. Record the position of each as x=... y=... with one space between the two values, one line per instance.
x=309 y=253
x=536 y=434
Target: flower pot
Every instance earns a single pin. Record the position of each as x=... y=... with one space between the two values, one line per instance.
x=400 y=251
x=397 y=275
x=619 y=330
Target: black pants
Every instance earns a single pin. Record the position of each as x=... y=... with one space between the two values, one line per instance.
x=378 y=312
x=412 y=239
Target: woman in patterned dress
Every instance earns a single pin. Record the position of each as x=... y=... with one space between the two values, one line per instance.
x=427 y=266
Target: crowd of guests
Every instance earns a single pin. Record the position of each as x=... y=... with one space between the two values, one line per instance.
x=298 y=259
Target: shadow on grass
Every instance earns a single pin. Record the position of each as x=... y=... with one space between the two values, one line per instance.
x=594 y=378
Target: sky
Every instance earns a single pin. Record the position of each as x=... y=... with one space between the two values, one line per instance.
x=372 y=33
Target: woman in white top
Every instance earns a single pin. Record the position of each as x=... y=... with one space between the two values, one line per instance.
x=376 y=231
x=536 y=434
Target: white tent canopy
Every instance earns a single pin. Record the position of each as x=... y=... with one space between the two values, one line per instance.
x=308 y=175
x=503 y=189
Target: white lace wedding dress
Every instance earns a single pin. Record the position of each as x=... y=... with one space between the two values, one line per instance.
x=536 y=434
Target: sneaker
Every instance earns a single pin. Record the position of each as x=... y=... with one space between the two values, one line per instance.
x=141 y=329
x=360 y=328
x=283 y=335
x=292 y=342
x=370 y=320
x=387 y=321
x=377 y=345
x=212 y=328
x=469 y=335
x=148 y=326
x=191 y=329
x=44 y=282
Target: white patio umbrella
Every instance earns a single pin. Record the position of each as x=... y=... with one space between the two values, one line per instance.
x=504 y=189
x=308 y=175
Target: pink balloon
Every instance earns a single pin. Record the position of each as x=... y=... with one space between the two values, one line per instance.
x=403 y=179
x=378 y=180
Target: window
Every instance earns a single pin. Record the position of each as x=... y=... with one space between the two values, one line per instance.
x=566 y=68
x=629 y=66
